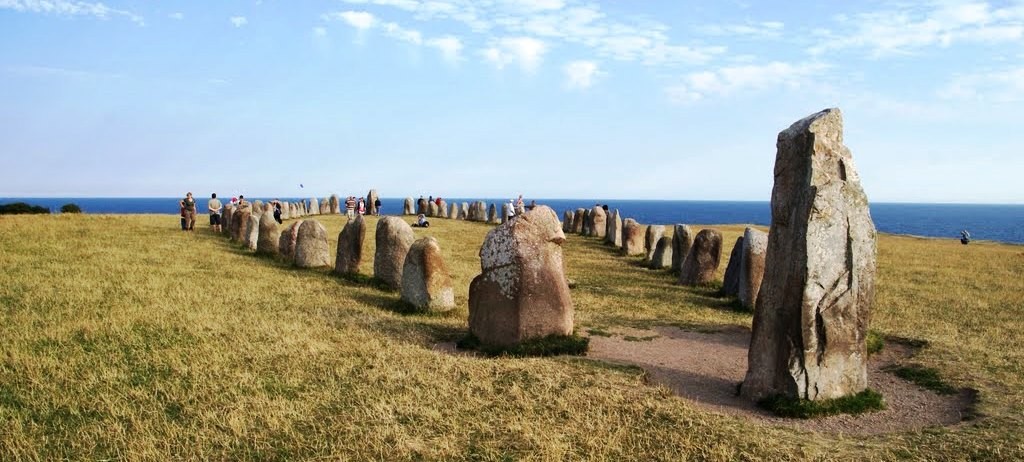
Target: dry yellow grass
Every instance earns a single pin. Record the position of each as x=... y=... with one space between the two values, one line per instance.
x=124 y=338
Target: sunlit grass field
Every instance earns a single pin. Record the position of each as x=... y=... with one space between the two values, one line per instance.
x=122 y=337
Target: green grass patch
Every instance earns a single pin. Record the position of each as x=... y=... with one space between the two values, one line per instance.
x=924 y=377
x=875 y=342
x=631 y=338
x=367 y=280
x=599 y=332
x=782 y=406
x=552 y=345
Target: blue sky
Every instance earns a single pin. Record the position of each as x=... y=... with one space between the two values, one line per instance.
x=493 y=98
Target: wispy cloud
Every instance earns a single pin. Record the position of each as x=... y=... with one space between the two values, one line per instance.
x=238 y=21
x=1000 y=85
x=730 y=80
x=358 y=19
x=70 y=8
x=749 y=29
x=449 y=46
x=581 y=74
x=527 y=52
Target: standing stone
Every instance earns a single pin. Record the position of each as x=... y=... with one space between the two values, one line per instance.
x=567 y=221
x=286 y=245
x=632 y=238
x=577 y=221
x=257 y=208
x=426 y=281
x=240 y=224
x=432 y=209
x=252 y=232
x=464 y=211
x=587 y=223
x=225 y=219
x=407 y=206
x=325 y=207
x=268 y=208
x=335 y=204
x=700 y=264
x=755 y=247
x=454 y=212
x=350 y=246
x=314 y=206
x=615 y=230
x=442 y=209
x=504 y=212
x=421 y=206
x=813 y=308
x=269 y=238
x=598 y=222
x=371 y=201
x=522 y=291
x=311 y=249
x=492 y=214
x=651 y=238
x=479 y=211
x=731 y=280
x=682 y=239
x=662 y=256
x=393 y=237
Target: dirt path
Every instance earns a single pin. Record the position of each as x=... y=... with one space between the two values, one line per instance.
x=706 y=367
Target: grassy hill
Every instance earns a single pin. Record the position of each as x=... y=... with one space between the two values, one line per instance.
x=122 y=337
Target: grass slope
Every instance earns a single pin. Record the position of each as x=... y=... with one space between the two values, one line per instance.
x=124 y=338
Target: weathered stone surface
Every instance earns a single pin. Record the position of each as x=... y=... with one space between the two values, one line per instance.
x=421 y=206
x=335 y=204
x=682 y=239
x=311 y=249
x=286 y=245
x=662 y=256
x=407 y=207
x=587 y=223
x=651 y=238
x=731 y=280
x=371 y=202
x=453 y=213
x=464 y=211
x=257 y=208
x=522 y=291
x=313 y=206
x=225 y=219
x=426 y=281
x=614 y=236
x=240 y=224
x=432 y=209
x=268 y=208
x=492 y=214
x=325 y=207
x=567 y=221
x=598 y=222
x=442 y=210
x=632 y=238
x=504 y=212
x=701 y=263
x=478 y=211
x=252 y=232
x=751 y=272
x=813 y=308
x=393 y=237
x=269 y=239
x=350 y=246
x=577 y=221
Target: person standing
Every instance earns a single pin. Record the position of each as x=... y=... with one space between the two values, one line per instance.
x=376 y=206
x=520 y=209
x=350 y=207
x=277 y=211
x=965 y=237
x=511 y=210
x=215 y=208
x=189 y=205
x=362 y=206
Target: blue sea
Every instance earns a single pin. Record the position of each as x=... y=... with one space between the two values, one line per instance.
x=1003 y=223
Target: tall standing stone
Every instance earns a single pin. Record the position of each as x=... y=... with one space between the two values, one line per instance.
x=751 y=273
x=598 y=222
x=350 y=246
x=577 y=221
x=314 y=206
x=522 y=291
x=257 y=208
x=632 y=238
x=651 y=238
x=432 y=209
x=311 y=249
x=393 y=238
x=504 y=212
x=567 y=221
x=225 y=225
x=614 y=236
x=371 y=202
x=464 y=211
x=269 y=238
x=407 y=206
x=492 y=214
x=813 y=309
x=325 y=207
x=442 y=209
x=587 y=223
x=731 y=280
x=421 y=206
x=682 y=239
x=286 y=245
x=240 y=224
x=454 y=212
x=335 y=204
x=252 y=232
x=701 y=263
x=426 y=281
x=662 y=256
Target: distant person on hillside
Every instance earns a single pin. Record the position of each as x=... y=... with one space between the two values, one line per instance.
x=533 y=204
x=350 y=206
x=215 y=207
x=604 y=207
x=277 y=211
x=437 y=201
x=376 y=206
x=519 y=205
x=242 y=203
x=511 y=210
x=362 y=206
x=421 y=222
x=189 y=206
x=965 y=237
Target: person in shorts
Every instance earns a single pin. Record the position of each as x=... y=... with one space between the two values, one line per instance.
x=215 y=208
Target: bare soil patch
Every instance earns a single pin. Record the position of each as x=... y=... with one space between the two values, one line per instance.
x=706 y=367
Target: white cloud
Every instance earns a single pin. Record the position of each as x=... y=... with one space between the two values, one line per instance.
x=581 y=74
x=238 y=21
x=178 y=16
x=69 y=8
x=358 y=19
x=527 y=52
x=535 y=5
x=400 y=33
x=920 y=25
x=450 y=47
x=1002 y=86
x=755 y=30
x=729 y=80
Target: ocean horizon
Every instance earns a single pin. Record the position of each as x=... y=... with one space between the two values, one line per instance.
x=994 y=222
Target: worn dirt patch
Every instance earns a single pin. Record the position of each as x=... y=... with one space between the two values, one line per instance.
x=706 y=368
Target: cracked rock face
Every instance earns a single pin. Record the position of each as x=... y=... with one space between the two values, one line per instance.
x=651 y=238
x=632 y=238
x=393 y=238
x=311 y=250
x=813 y=308
x=252 y=232
x=522 y=291
x=751 y=272
x=286 y=244
x=702 y=261
x=426 y=281
x=269 y=238
x=350 y=246
x=598 y=222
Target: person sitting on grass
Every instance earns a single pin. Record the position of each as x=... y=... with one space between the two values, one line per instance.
x=421 y=222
